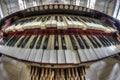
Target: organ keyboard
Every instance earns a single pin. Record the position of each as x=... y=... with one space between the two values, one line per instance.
x=61 y=44
x=59 y=22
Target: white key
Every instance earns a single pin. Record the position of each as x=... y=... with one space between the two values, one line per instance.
x=39 y=54
x=99 y=52
x=29 y=41
x=61 y=57
x=24 y=54
x=75 y=56
x=69 y=56
x=44 y=19
x=17 y=52
x=68 y=21
x=32 y=55
x=19 y=28
x=18 y=41
x=93 y=51
x=61 y=24
x=48 y=23
x=82 y=55
x=46 y=56
x=88 y=54
x=53 y=56
x=54 y=22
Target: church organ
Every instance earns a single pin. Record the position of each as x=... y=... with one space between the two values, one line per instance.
x=60 y=39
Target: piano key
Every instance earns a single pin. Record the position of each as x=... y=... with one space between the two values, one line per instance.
x=5 y=50
x=63 y=42
x=96 y=47
x=24 y=54
x=107 y=45
x=33 y=42
x=85 y=42
x=92 y=41
x=113 y=46
x=32 y=55
x=50 y=44
x=105 y=50
x=42 y=25
x=54 y=21
x=10 y=39
x=76 y=23
x=81 y=23
x=67 y=43
x=62 y=24
x=59 y=42
x=45 y=42
x=80 y=42
x=46 y=56
x=38 y=42
x=92 y=50
x=68 y=21
x=48 y=22
x=19 y=28
x=4 y=41
x=23 y=44
x=74 y=44
x=61 y=56
x=59 y=22
x=74 y=52
x=29 y=41
x=69 y=57
x=18 y=37
x=39 y=54
x=19 y=42
x=56 y=46
x=82 y=55
x=53 y=56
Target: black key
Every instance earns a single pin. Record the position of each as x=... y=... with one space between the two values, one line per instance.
x=74 y=44
x=56 y=42
x=92 y=41
x=48 y=18
x=46 y=42
x=25 y=41
x=39 y=42
x=63 y=42
x=56 y=18
x=96 y=41
x=5 y=40
x=80 y=42
x=18 y=45
x=15 y=40
x=33 y=42
x=113 y=41
x=85 y=42
x=39 y=19
x=11 y=41
x=43 y=19
x=61 y=19
x=105 y=40
x=102 y=41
